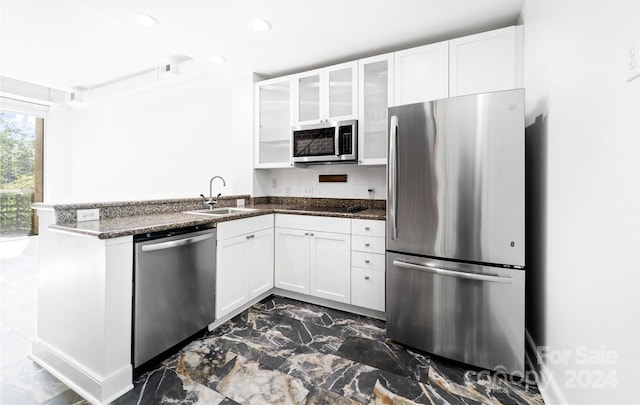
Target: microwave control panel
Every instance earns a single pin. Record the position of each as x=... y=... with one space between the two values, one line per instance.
x=345 y=140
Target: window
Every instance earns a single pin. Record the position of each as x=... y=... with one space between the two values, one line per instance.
x=21 y=166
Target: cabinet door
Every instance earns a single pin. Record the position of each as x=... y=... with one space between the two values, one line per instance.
x=367 y=288
x=308 y=98
x=422 y=73
x=292 y=260
x=231 y=276
x=330 y=266
x=375 y=89
x=273 y=121
x=259 y=259
x=489 y=61
x=341 y=95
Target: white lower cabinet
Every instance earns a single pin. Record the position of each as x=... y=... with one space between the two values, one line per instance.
x=292 y=260
x=244 y=258
x=329 y=265
x=368 y=264
x=337 y=259
x=313 y=256
x=367 y=288
x=231 y=275
x=259 y=256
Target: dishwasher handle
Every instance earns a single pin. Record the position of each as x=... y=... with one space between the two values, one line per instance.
x=176 y=243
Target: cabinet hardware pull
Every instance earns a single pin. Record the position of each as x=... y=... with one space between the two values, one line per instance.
x=366 y=228
x=306 y=234
x=367 y=244
x=366 y=277
x=366 y=261
x=251 y=236
x=311 y=234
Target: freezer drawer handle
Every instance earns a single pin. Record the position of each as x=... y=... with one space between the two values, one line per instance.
x=459 y=274
x=176 y=243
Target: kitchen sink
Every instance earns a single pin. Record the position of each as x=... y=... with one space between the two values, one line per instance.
x=221 y=211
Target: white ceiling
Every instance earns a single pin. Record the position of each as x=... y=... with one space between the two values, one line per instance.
x=72 y=44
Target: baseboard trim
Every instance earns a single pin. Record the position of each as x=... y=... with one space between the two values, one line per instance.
x=549 y=389
x=329 y=303
x=84 y=382
x=239 y=310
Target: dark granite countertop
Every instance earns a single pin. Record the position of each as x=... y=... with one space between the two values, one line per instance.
x=107 y=228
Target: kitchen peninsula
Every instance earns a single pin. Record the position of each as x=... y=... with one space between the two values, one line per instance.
x=85 y=285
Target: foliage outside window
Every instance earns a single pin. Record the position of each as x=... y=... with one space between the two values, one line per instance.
x=17 y=173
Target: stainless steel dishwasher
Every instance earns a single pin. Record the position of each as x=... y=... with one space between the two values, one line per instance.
x=174 y=288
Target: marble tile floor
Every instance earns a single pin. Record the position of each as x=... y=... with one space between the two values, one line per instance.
x=282 y=351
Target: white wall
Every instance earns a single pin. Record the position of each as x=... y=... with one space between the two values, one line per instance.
x=166 y=143
x=57 y=154
x=296 y=181
x=575 y=75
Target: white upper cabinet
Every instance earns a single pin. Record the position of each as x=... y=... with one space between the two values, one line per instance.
x=327 y=94
x=308 y=93
x=375 y=95
x=422 y=73
x=489 y=61
x=273 y=122
x=364 y=89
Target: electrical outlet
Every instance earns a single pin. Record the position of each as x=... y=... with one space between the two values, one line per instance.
x=308 y=191
x=240 y=202
x=88 y=215
x=274 y=182
x=633 y=59
x=288 y=190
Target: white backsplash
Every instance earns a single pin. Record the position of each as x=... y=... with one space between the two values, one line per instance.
x=303 y=182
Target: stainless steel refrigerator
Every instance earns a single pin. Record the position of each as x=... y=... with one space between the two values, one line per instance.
x=455 y=228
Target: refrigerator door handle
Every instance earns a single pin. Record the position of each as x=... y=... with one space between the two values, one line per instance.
x=393 y=175
x=444 y=272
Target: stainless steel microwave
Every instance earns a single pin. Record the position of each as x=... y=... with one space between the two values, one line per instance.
x=326 y=142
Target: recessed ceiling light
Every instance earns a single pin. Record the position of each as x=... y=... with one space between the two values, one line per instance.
x=217 y=59
x=146 y=20
x=260 y=24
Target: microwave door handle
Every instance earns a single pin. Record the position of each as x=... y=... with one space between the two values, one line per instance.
x=336 y=140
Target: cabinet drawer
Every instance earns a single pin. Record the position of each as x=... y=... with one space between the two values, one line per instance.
x=314 y=223
x=367 y=244
x=239 y=227
x=373 y=261
x=367 y=227
x=367 y=288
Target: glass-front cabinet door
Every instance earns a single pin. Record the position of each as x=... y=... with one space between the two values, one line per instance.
x=308 y=97
x=341 y=100
x=328 y=94
x=375 y=89
x=274 y=119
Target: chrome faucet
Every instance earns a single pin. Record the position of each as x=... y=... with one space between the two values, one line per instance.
x=212 y=202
